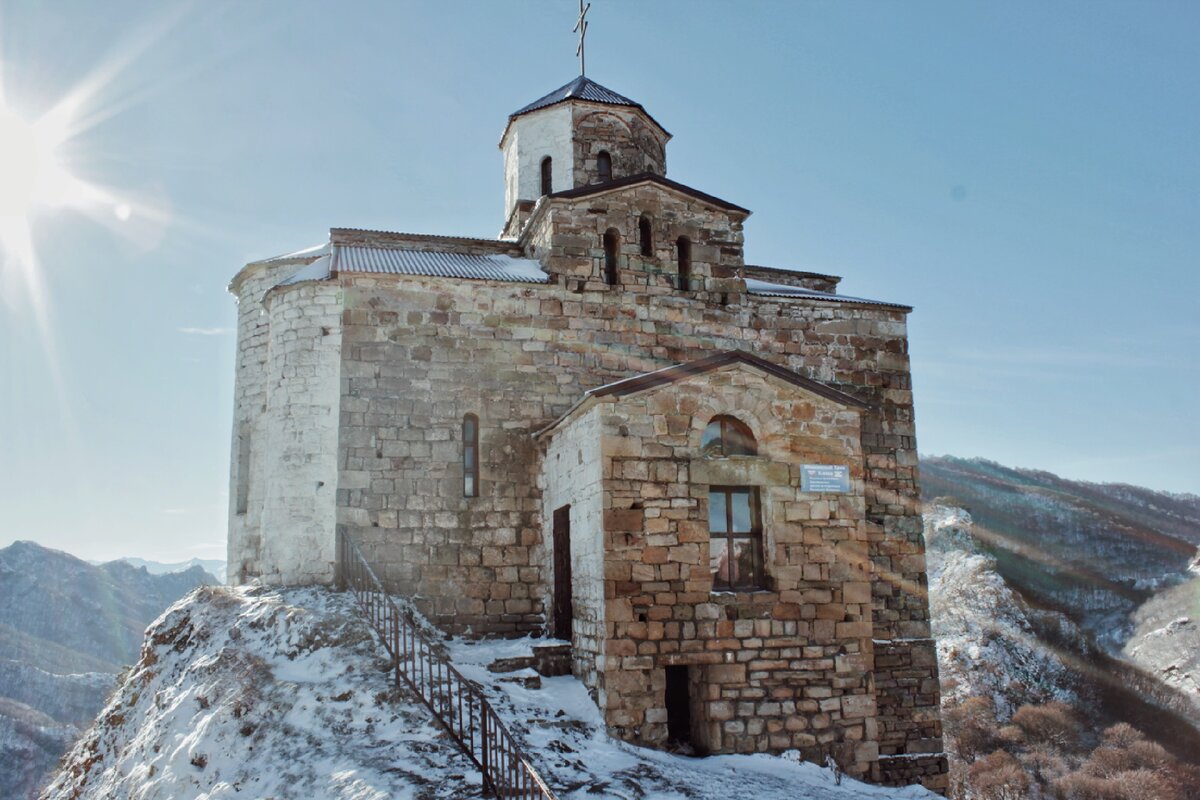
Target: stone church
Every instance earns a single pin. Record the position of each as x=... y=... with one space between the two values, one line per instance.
x=606 y=427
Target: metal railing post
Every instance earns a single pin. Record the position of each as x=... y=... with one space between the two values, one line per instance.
x=504 y=769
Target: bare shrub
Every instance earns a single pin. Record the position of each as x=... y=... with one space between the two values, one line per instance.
x=1122 y=735
x=999 y=776
x=1053 y=723
x=971 y=725
x=1106 y=761
x=1132 y=784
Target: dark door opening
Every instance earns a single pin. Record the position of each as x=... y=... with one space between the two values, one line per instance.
x=679 y=706
x=563 y=610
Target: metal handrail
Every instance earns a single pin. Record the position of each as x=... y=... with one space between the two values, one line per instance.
x=454 y=701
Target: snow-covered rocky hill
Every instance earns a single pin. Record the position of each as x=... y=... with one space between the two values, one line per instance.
x=250 y=692
x=66 y=629
x=989 y=641
x=1032 y=705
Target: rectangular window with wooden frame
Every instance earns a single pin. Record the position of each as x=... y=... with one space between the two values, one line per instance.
x=470 y=455
x=735 y=539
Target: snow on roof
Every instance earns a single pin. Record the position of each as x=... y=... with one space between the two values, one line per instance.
x=316 y=271
x=307 y=252
x=765 y=289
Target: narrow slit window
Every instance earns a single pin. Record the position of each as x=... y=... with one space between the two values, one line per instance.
x=547 y=175
x=735 y=550
x=243 y=469
x=646 y=235
x=612 y=249
x=683 y=249
x=470 y=455
x=604 y=166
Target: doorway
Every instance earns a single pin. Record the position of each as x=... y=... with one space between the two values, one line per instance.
x=564 y=612
x=679 y=706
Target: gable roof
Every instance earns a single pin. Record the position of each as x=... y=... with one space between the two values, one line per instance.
x=583 y=88
x=660 y=377
x=648 y=177
x=666 y=375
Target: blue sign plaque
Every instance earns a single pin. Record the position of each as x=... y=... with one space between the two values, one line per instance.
x=825 y=478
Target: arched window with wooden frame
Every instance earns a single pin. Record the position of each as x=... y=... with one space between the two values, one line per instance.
x=604 y=166
x=470 y=455
x=727 y=436
x=612 y=251
x=646 y=236
x=547 y=175
x=683 y=251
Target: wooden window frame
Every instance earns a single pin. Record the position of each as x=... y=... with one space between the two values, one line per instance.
x=728 y=423
x=470 y=458
x=757 y=580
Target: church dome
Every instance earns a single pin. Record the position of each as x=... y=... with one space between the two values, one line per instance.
x=582 y=88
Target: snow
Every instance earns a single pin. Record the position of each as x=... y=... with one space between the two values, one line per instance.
x=254 y=693
x=563 y=732
x=986 y=639
x=250 y=692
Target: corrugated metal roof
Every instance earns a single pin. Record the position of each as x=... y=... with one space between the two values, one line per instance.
x=764 y=289
x=439 y=264
x=581 y=88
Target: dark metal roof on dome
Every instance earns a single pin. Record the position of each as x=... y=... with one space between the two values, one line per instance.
x=583 y=88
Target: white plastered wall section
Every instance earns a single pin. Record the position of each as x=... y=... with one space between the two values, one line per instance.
x=249 y=434
x=299 y=461
x=572 y=473
x=530 y=138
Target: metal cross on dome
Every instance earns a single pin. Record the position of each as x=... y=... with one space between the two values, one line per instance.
x=581 y=26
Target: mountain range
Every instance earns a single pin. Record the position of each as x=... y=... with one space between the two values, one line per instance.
x=67 y=629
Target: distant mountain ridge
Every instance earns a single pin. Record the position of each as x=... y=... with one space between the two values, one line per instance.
x=1093 y=551
x=213 y=566
x=67 y=628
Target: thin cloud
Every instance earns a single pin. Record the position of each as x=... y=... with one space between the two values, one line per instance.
x=206 y=331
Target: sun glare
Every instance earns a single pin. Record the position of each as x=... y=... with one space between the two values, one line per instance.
x=20 y=165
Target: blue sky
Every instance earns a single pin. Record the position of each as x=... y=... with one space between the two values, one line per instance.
x=1025 y=174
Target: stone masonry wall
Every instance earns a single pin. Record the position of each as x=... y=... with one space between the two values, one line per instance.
x=571 y=474
x=418 y=353
x=299 y=459
x=633 y=144
x=785 y=667
x=252 y=380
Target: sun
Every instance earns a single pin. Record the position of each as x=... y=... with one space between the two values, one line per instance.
x=30 y=175
x=20 y=165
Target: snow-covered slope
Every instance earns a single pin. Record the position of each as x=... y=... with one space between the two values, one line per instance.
x=562 y=729
x=1166 y=641
x=987 y=638
x=263 y=693
x=66 y=629
x=252 y=693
